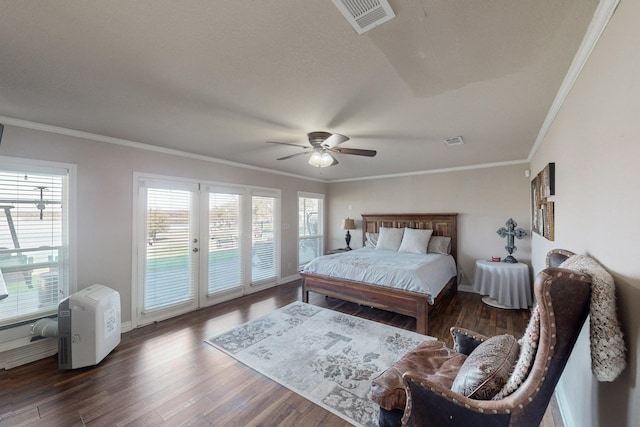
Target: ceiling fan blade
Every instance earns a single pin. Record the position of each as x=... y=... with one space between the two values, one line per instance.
x=356 y=151
x=287 y=143
x=293 y=155
x=334 y=140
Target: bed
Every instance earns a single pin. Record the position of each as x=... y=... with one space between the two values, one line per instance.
x=407 y=301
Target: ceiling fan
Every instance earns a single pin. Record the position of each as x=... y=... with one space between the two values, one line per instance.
x=322 y=145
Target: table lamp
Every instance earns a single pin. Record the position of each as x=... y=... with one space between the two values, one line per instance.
x=348 y=224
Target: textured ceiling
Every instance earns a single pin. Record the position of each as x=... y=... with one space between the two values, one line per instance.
x=221 y=78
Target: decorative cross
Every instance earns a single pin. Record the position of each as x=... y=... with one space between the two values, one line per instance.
x=510 y=232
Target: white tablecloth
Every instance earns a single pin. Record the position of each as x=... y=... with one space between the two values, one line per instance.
x=508 y=284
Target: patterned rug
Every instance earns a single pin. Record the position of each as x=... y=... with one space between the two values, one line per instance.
x=323 y=355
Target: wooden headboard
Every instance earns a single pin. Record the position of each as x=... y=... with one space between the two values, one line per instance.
x=442 y=224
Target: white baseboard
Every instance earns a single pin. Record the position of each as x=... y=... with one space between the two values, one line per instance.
x=563 y=406
x=22 y=351
x=288 y=279
x=26 y=352
x=466 y=288
x=125 y=327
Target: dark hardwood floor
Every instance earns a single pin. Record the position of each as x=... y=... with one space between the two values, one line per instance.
x=165 y=375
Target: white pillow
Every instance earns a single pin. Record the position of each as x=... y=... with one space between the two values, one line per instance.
x=415 y=241
x=439 y=245
x=371 y=240
x=389 y=238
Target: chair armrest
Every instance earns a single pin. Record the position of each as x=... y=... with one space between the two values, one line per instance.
x=465 y=341
x=436 y=406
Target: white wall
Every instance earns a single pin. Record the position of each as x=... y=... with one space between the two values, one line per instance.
x=595 y=143
x=105 y=195
x=484 y=199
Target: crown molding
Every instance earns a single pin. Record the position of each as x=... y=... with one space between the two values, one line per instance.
x=601 y=17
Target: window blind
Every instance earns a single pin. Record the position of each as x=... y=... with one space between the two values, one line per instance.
x=263 y=251
x=33 y=242
x=169 y=268
x=310 y=233
x=224 y=258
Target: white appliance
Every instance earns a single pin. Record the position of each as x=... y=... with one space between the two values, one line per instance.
x=88 y=326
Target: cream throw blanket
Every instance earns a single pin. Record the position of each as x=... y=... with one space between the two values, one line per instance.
x=608 y=352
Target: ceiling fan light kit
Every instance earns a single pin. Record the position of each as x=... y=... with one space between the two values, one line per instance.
x=322 y=159
x=322 y=145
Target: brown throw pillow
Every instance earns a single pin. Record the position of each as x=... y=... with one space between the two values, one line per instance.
x=487 y=368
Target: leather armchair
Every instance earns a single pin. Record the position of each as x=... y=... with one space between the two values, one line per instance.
x=563 y=297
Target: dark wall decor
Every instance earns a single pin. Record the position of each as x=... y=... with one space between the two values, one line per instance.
x=542 y=187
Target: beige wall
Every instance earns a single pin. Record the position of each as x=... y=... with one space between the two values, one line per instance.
x=105 y=195
x=595 y=143
x=484 y=199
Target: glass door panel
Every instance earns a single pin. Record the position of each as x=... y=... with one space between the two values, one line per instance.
x=168 y=273
x=224 y=268
x=263 y=251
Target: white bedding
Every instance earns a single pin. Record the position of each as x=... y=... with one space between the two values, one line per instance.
x=425 y=273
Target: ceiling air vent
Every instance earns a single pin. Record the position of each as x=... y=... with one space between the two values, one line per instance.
x=453 y=140
x=364 y=15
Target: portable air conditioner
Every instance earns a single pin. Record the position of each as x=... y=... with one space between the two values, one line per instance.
x=88 y=326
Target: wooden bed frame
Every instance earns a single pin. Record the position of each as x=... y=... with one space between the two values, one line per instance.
x=409 y=303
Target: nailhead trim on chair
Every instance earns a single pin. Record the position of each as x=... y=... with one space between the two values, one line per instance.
x=557 y=251
x=466 y=334
x=552 y=338
x=547 y=295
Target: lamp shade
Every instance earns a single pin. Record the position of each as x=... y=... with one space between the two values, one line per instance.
x=348 y=224
x=322 y=159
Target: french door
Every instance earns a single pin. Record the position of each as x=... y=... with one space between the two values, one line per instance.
x=200 y=244
x=168 y=249
x=223 y=271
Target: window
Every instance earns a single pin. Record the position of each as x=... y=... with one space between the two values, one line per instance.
x=264 y=250
x=200 y=243
x=34 y=239
x=166 y=261
x=225 y=255
x=310 y=230
x=169 y=265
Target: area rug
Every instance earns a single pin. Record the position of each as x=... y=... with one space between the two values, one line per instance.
x=325 y=356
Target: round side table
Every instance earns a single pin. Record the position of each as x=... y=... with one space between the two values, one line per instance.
x=505 y=285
